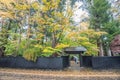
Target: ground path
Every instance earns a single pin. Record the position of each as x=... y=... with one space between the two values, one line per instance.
x=36 y=74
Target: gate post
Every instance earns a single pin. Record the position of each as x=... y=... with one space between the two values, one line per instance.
x=80 y=59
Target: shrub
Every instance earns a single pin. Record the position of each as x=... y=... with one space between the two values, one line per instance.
x=10 y=48
x=31 y=54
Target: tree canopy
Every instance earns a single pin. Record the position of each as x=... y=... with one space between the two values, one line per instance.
x=44 y=27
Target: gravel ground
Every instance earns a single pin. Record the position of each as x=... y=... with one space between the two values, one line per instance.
x=67 y=74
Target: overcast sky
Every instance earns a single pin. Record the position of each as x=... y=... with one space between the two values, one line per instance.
x=79 y=12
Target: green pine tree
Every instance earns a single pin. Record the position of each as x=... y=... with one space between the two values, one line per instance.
x=99 y=16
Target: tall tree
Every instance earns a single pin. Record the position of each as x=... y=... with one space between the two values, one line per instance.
x=99 y=16
x=53 y=21
x=112 y=28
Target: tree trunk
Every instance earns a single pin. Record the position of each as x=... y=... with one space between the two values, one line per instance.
x=109 y=52
x=19 y=40
x=2 y=51
x=100 y=47
x=2 y=23
x=54 y=42
x=8 y=28
x=28 y=30
x=28 y=36
x=20 y=33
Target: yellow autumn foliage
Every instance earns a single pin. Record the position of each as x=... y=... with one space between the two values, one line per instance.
x=86 y=38
x=22 y=7
x=92 y=33
x=30 y=55
x=38 y=46
x=72 y=34
x=61 y=46
x=7 y=3
x=35 y=5
x=6 y=15
x=82 y=38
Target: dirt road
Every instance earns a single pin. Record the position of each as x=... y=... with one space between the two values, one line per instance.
x=83 y=74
